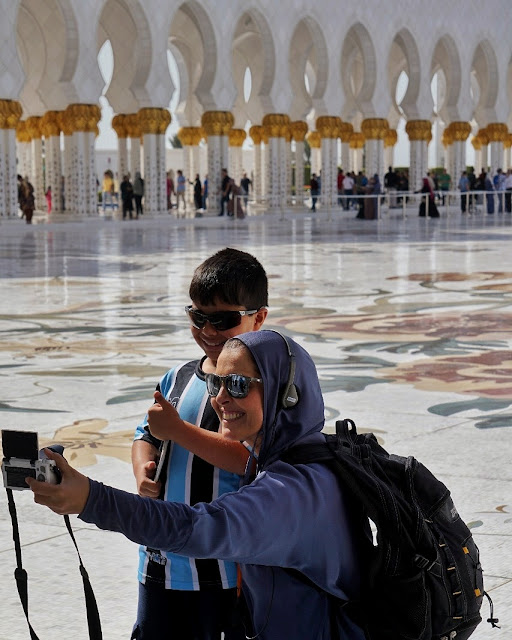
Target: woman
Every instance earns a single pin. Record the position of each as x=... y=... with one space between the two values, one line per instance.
x=138 y=193
x=266 y=394
x=198 y=193
x=127 y=196
x=430 y=198
x=27 y=200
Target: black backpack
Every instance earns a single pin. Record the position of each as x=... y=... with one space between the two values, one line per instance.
x=423 y=580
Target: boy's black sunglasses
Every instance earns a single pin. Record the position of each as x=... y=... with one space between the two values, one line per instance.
x=222 y=320
x=236 y=384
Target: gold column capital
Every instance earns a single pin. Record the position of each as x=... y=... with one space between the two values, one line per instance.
x=10 y=114
x=66 y=123
x=236 y=137
x=459 y=130
x=314 y=139
x=256 y=133
x=153 y=120
x=33 y=125
x=217 y=123
x=132 y=125
x=496 y=131
x=190 y=136
x=448 y=137
x=328 y=126
x=298 y=130
x=419 y=130
x=120 y=125
x=508 y=141
x=482 y=137
x=275 y=124
x=375 y=128
x=390 y=138
x=357 y=140
x=22 y=133
x=51 y=123
x=345 y=130
x=83 y=117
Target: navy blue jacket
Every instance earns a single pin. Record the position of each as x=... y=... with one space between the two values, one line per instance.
x=287 y=517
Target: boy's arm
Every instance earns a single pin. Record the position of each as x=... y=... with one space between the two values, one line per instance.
x=166 y=424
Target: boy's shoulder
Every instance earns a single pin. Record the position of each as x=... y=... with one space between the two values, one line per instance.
x=182 y=374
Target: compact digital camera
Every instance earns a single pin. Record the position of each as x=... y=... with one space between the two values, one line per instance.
x=22 y=459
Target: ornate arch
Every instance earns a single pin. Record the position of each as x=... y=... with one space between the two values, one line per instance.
x=358 y=72
x=446 y=58
x=122 y=22
x=193 y=36
x=484 y=70
x=253 y=48
x=404 y=57
x=48 y=46
x=308 y=54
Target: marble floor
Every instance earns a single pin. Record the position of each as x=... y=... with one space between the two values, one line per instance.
x=409 y=321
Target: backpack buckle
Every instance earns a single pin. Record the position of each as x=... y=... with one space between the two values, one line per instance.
x=423 y=563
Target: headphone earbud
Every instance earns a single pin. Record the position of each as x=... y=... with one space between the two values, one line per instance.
x=290 y=395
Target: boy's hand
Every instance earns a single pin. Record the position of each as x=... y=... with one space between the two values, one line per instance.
x=163 y=418
x=146 y=486
x=67 y=497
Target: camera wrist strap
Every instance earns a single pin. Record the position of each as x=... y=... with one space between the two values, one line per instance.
x=93 y=616
x=20 y=574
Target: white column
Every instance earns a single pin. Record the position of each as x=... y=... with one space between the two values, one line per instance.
x=37 y=178
x=218 y=159
x=375 y=158
x=161 y=180
x=287 y=165
x=496 y=157
x=69 y=201
x=24 y=157
x=235 y=161
x=257 y=133
x=346 y=165
x=123 y=166
x=273 y=172
x=92 y=189
x=484 y=159
x=53 y=167
x=316 y=160
x=417 y=164
x=215 y=165
x=8 y=174
x=151 y=188
x=329 y=188
x=80 y=185
x=135 y=156
x=299 y=172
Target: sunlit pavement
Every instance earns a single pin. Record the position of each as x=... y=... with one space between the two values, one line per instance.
x=409 y=321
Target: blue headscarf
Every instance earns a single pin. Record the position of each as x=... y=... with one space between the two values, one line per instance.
x=283 y=427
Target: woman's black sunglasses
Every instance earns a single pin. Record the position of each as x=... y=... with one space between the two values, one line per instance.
x=236 y=384
x=222 y=320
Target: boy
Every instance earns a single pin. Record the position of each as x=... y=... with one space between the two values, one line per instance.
x=186 y=598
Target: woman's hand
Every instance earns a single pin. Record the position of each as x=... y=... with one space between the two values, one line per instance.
x=67 y=497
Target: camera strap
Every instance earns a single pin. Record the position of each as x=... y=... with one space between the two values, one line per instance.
x=21 y=576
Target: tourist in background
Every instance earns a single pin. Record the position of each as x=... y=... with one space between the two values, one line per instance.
x=127 y=197
x=138 y=192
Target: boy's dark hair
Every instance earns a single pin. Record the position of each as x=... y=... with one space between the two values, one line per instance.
x=230 y=276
